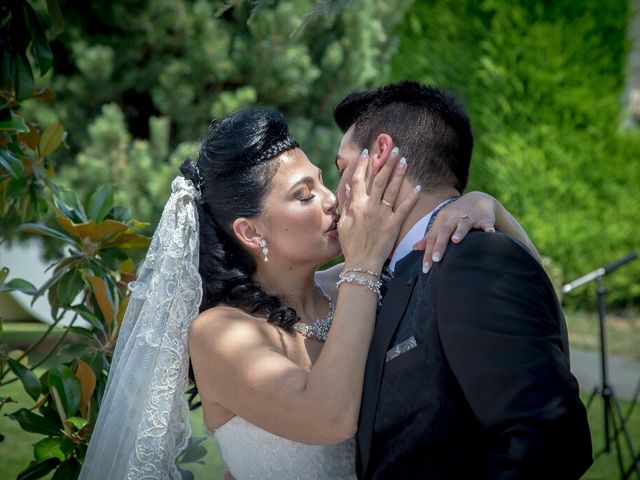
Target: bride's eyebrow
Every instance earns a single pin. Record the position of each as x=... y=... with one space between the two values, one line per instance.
x=304 y=180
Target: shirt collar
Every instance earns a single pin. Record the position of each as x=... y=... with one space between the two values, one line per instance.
x=405 y=246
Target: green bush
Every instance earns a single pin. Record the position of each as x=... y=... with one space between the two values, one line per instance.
x=542 y=82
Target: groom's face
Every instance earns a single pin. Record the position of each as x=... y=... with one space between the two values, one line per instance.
x=346 y=162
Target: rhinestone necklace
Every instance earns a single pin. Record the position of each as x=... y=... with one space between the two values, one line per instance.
x=320 y=329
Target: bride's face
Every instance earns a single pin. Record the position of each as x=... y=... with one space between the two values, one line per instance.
x=299 y=216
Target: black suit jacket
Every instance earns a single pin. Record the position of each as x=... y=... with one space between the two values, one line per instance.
x=487 y=392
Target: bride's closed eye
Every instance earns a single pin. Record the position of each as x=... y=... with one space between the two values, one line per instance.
x=306 y=198
x=305 y=193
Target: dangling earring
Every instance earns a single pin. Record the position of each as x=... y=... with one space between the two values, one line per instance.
x=265 y=249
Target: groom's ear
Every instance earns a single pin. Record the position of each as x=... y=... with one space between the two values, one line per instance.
x=380 y=151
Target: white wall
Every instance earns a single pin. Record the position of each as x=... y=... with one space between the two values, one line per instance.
x=24 y=260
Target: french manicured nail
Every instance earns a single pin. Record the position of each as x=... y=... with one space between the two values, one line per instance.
x=435 y=257
x=456 y=237
x=365 y=153
x=491 y=230
x=403 y=162
x=426 y=267
x=395 y=152
x=418 y=188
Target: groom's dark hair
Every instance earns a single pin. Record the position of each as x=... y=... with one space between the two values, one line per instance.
x=429 y=126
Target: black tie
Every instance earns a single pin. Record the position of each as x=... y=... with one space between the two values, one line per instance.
x=385 y=276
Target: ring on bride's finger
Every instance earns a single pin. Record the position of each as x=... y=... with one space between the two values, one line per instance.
x=466 y=217
x=388 y=204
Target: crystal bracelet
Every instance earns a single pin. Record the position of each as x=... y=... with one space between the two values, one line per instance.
x=360 y=270
x=361 y=280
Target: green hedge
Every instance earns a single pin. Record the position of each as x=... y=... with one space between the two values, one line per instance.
x=543 y=82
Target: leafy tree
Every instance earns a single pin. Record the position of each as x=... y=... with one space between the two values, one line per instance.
x=141 y=169
x=171 y=66
x=25 y=168
x=90 y=281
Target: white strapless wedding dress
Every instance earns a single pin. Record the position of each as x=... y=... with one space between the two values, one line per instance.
x=253 y=453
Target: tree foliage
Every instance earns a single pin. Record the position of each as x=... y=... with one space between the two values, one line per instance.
x=89 y=281
x=543 y=82
x=170 y=66
x=25 y=166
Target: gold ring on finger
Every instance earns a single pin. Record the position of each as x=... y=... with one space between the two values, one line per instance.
x=388 y=204
x=466 y=217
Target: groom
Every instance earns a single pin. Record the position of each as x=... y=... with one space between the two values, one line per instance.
x=468 y=372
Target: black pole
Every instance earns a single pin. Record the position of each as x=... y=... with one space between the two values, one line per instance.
x=604 y=370
x=620 y=262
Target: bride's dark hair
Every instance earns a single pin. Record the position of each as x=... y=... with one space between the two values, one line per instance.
x=233 y=171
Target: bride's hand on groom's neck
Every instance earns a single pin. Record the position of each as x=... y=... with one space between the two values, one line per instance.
x=475 y=210
x=472 y=211
x=382 y=151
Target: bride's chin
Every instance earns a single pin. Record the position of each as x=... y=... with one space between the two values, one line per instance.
x=335 y=251
x=331 y=252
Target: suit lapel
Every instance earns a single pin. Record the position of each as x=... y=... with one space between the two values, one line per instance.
x=395 y=303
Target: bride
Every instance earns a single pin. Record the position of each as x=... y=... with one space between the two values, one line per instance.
x=230 y=285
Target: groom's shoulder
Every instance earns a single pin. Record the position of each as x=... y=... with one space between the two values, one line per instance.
x=479 y=246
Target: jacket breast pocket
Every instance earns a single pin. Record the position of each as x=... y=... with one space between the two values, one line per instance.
x=410 y=358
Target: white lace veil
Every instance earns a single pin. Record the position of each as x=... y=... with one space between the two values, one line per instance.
x=143 y=423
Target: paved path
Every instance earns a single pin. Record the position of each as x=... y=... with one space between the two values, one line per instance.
x=624 y=373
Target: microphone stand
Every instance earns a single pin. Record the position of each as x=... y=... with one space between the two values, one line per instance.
x=613 y=416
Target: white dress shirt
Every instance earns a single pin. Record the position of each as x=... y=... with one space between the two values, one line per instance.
x=412 y=237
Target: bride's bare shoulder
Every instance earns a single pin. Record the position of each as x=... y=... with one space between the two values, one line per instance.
x=221 y=313
x=222 y=326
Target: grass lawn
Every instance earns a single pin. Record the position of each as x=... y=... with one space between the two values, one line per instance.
x=622 y=332
x=16 y=449
x=605 y=466
x=24 y=333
